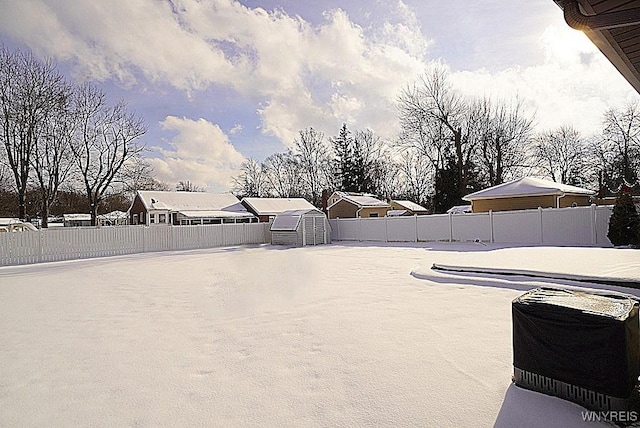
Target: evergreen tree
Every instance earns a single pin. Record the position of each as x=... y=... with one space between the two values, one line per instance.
x=344 y=168
x=447 y=191
x=624 y=223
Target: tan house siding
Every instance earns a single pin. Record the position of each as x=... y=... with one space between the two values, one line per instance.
x=367 y=211
x=527 y=202
x=575 y=200
x=343 y=209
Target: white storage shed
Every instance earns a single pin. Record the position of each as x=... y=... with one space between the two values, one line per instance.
x=301 y=227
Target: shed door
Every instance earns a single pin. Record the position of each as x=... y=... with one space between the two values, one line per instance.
x=319 y=230
x=309 y=231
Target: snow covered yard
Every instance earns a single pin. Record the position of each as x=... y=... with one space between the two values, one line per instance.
x=338 y=335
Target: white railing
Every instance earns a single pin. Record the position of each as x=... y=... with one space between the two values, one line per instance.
x=564 y=226
x=84 y=242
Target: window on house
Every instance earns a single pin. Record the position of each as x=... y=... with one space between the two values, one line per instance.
x=373 y=214
x=135 y=219
x=162 y=218
x=152 y=218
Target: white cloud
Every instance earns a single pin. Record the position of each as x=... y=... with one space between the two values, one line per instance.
x=200 y=153
x=270 y=57
x=574 y=85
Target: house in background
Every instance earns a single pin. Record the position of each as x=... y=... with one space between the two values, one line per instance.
x=266 y=209
x=406 y=208
x=76 y=220
x=459 y=209
x=114 y=218
x=528 y=193
x=186 y=208
x=353 y=205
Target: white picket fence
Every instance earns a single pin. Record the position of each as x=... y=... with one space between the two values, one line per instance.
x=83 y=242
x=581 y=226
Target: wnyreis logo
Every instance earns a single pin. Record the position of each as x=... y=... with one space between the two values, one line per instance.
x=611 y=416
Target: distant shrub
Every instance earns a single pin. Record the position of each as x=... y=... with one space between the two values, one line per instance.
x=624 y=224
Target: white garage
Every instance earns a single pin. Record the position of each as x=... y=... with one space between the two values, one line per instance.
x=301 y=227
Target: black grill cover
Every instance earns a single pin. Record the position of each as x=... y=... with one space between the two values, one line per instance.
x=583 y=339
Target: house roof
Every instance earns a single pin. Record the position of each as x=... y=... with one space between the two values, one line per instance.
x=289 y=220
x=361 y=200
x=215 y=214
x=113 y=215
x=459 y=209
x=527 y=186
x=411 y=206
x=275 y=206
x=614 y=27
x=225 y=203
x=76 y=217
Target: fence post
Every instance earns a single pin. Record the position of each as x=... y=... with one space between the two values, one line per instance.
x=40 y=245
x=415 y=216
x=360 y=229
x=541 y=226
x=386 y=228
x=491 y=226
x=450 y=227
x=338 y=228
x=594 y=231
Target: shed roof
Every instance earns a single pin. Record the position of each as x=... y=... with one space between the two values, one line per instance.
x=191 y=201
x=275 y=206
x=527 y=186
x=411 y=206
x=361 y=200
x=289 y=220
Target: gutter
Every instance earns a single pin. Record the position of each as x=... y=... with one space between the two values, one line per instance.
x=604 y=21
x=558 y=199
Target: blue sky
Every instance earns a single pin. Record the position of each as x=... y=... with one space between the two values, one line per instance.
x=219 y=81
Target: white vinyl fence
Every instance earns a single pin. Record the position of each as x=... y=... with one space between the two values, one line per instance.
x=84 y=242
x=564 y=226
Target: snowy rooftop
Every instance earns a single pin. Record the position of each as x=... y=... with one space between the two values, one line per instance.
x=528 y=186
x=190 y=201
x=411 y=206
x=361 y=200
x=274 y=206
x=334 y=335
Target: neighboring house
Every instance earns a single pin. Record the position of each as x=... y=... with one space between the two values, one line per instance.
x=114 y=218
x=528 y=193
x=266 y=209
x=404 y=208
x=301 y=227
x=76 y=220
x=459 y=209
x=186 y=208
x=353 y=205
x=15 y=225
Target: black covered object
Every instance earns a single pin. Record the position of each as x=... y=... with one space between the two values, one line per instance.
x=591 y=341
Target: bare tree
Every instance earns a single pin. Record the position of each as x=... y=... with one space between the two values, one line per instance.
x=138 y=175
x=252 y=181
x=52 y=158
x=29 y=90
x=313 y=156
x=281 y=173
x=563 y=155
x=435 y=120
x=504 y=131
x=188 y=186
x=619 y=151
x=107 y=137
x=417 y=181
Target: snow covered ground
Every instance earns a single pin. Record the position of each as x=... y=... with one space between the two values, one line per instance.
x=347 y=334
